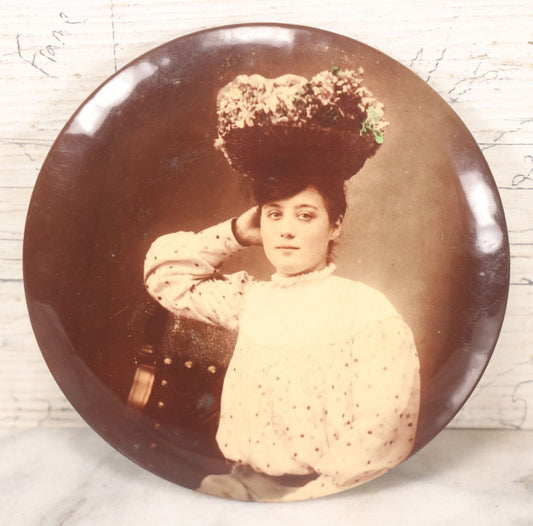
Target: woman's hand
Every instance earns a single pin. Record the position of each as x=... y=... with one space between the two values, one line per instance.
x=247 y=228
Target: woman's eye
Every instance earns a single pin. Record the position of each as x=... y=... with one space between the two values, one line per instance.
x=274 y=214
x=305 y=216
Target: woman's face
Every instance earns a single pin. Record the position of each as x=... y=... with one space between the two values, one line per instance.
x=297 y=232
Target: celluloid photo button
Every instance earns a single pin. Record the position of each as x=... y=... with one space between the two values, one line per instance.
x=266 y=262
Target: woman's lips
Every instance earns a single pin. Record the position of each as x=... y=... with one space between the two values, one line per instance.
x=286 y=247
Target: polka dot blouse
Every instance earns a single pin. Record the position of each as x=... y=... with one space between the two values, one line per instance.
x=325 y=374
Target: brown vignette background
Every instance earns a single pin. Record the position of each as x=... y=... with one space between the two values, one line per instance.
x=146 y=166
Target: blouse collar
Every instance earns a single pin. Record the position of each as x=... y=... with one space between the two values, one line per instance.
x=287 y=281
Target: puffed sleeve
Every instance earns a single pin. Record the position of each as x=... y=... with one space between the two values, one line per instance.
x=182 y=272
x=376 y=428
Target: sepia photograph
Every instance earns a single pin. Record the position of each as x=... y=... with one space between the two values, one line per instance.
x=324 y=368
x=279 y=278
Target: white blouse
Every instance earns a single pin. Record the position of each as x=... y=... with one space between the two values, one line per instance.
x=325 y=374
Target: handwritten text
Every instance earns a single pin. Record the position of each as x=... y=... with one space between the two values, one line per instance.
x=45 y=56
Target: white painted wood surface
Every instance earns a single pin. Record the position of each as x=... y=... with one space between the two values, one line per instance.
x=478 y=55
x=464 y=477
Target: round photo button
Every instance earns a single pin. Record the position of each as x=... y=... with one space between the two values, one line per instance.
x=266 y=262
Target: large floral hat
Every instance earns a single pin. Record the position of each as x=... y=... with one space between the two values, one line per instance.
x=289 y=124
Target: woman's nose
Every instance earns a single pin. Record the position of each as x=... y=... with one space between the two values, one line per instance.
x=287 y=235
x=287 y=230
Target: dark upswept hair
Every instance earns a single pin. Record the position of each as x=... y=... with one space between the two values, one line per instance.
x=267 y=189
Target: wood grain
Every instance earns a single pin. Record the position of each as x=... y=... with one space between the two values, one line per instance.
x=478 y=55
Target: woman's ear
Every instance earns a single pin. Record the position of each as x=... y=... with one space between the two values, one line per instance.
x=336 y=229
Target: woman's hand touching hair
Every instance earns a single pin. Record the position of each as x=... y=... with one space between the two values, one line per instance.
x=247 y=229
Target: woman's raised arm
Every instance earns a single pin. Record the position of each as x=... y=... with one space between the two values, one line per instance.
x=182 y=272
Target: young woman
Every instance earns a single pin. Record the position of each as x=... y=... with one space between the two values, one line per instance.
x=322 y=390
